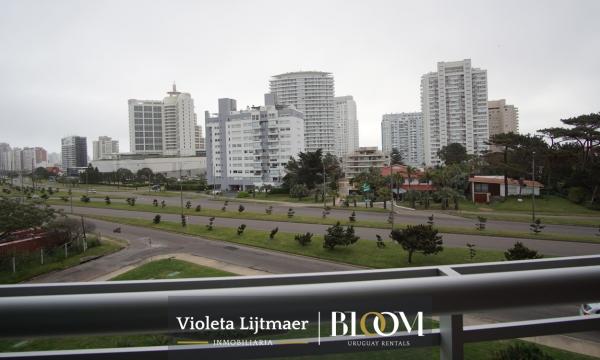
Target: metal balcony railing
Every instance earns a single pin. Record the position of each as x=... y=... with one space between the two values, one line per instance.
x=33 y=310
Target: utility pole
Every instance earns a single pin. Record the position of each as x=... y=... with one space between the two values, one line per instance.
x=533 y=187
x=71 y=194
x=181 y=190
x=391 y=192
x=324 y=176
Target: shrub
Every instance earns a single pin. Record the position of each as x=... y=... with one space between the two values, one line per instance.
x=107 y=200
x=188 y=204
x=163 y=204
x=290 y=213
x=64 y=198
x=521 y=252
x=130 y=201
x=156 y=219
x=198 y=208
x=241 y=208
x=577 y=194
x=269 y=210
x=336 y=236
x=240 y=229
x=155 y=202
x=85 y=198
x=380 y=243
x=481 y=220
x=304 y=239
x=430 y=220
x=472 y=251
x=183 y=220
x=224 y=208
x=352 y=217
x=210 y=224
x=521 y=351
x=273 y=233
x=536 y=226
x=242 y=194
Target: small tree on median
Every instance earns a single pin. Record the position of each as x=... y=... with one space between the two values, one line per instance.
x=273 y=233
x=352 y=217
x=269 y=210
x=107 y=200
x=183 y=221
x=537 y=226
x=290 y=213
x=210 y=224
x=304 y=239
x=156 y=219
x=155 y=202
x=481 y=220
x=472 y=251
x=380 y=243
x=337 y=236
x=241 y=208
x=163 y=204
x=188 y=204
x=521 y=252
x=198 y=208
x=85 y=198
x=240 y=229
x=418 y=238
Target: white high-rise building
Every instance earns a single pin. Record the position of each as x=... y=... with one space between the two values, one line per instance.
x=251 y=147
x=311 y=92
x=454 y=107
x=104 y=147
x=167 y=127
x=404 y=132
x=346 y=125
x=200 y=144
x=503 y=118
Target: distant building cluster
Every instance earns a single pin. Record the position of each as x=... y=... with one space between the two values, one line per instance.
x=250 y=147
x=454 y=109
x=22 y=159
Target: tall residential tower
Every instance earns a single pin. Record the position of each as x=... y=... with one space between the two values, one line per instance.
x=346 y=125
x=167 y=127
x=454 y=107
x=404 y=131
x=310 y=92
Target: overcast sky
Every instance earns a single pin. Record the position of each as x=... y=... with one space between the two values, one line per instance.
x=68 y=67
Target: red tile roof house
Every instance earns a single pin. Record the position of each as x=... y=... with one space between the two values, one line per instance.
x=483 y=188
x=417 y=182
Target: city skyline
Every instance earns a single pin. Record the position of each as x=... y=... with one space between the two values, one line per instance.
x=547 y=71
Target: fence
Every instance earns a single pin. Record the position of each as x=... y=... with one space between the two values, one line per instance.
x=141 y=306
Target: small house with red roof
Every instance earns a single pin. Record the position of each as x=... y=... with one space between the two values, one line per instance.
x=484 y=188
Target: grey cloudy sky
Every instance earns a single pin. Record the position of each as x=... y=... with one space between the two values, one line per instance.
x=68 y=67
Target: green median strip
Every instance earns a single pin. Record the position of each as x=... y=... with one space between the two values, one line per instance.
x=246 y=215
x=363 y=253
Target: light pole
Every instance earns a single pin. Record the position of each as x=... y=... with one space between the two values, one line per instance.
x=324 y=177
x=533 y=186
x=180 y=190
x=391 y=192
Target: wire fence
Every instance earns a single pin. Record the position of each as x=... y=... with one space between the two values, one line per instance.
x=18 y=261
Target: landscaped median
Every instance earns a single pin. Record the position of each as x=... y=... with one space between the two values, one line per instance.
x=283 y=217
x=363 y=253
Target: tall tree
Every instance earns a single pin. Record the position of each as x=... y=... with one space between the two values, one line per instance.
x=453 y=153
x=396 y=157
x=307 y=170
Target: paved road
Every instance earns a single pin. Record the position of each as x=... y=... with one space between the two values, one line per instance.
x=547 y=247
x=402 y=216
x=146 y=242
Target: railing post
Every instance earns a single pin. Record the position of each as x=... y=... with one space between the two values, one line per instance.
x=451 y=331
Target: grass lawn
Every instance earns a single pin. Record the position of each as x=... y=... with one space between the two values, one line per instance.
x=363 y=253
x=170 y=269
x=233 y=214
x=106 y=247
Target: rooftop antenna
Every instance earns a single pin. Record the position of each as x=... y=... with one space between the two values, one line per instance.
x=174 y=92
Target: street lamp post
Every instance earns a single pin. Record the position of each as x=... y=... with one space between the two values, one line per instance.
x=391 y=193
x=533 y=187
x=181 y=190
x=324 y=177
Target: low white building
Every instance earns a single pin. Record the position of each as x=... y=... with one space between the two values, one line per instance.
x=168 y=166
x=250 y=148
x=483 y=188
